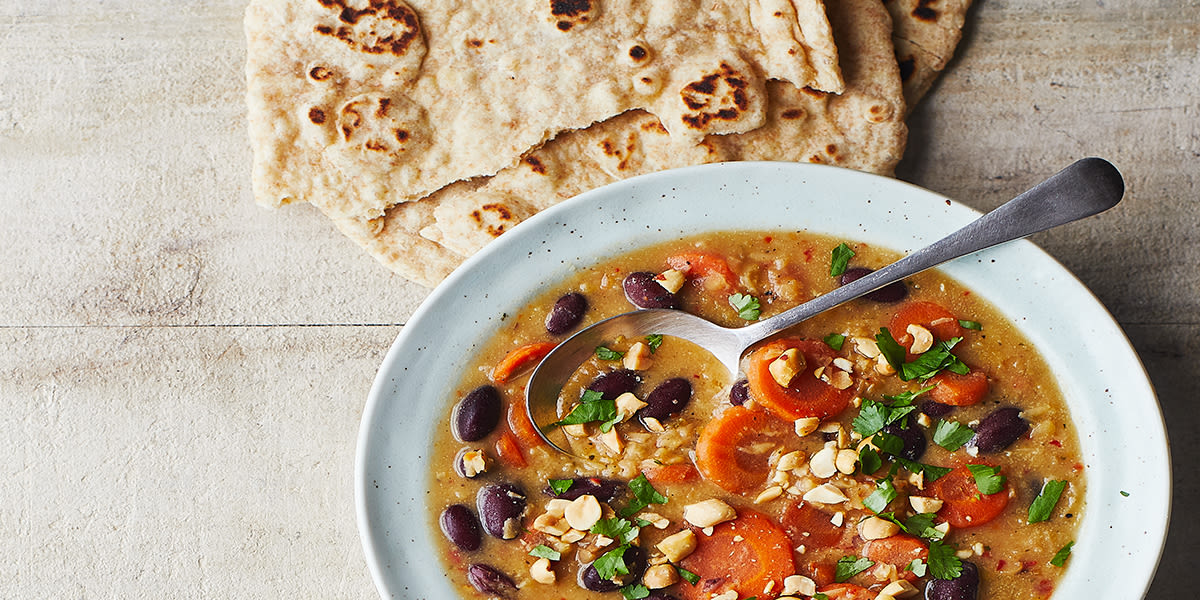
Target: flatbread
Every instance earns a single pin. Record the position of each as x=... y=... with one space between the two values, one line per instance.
x=862 y=128
x=359 y=105
x=925 y=33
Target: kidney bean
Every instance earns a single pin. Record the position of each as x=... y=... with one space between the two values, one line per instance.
x=963 y=587
x=999 y=430
x=614 y=383
x=739 y=394
x=477 y=414
x=461 y=527
x=605 y=490
x=659 y=595
x=589 y=579
x=488 y=580
x=893 y=292
x=667 y=399
x=566 y=314
x=501 y=506
x=643 y=291
x=914 y=440
x=934 y=409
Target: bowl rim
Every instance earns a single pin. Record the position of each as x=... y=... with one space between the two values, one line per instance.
x=615 y=204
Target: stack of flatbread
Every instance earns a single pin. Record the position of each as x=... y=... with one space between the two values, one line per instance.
x=425 y=128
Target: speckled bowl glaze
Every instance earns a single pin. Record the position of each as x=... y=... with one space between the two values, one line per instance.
x=1119 y=423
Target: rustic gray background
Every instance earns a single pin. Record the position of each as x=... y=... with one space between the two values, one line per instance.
x=183 y=372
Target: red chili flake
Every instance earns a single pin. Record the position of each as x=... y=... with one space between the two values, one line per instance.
x=1056 y=443
x=1077 y=467
x=808 y=254
x=1045 y=587
x=767 y=239
x=1000 y=564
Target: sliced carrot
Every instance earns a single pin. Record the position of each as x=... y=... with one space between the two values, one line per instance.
x=519 y=359
x=959 y=390
x=744 y=554
x=522 y=427
x=806 y=395
x=710 y=269
x=847 y=591
x=677 y=473
x=508 y=450
x=898 y=551
x=936 y=318
x=822 y=573
x=811 y=527
x=723 y=453
x=963 y=504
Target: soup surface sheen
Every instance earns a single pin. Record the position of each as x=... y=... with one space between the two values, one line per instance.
x=910 y=444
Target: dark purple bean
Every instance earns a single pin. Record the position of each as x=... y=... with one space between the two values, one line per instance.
x=488 y=580
x=740 y=393
x=614 y=383
x=566 y=314
x=605 y=490
x=963 y=587
x=660 y=595
x=934 y=409
x=461 y=527
x=501 y=506
x=893 y=292
x=999 y=430
x=635 y=561
x=477 y=414
x=643 y=291
x=910 y=434
x=460 y=466
x=667 y=399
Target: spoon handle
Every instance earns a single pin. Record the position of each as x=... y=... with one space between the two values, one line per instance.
x=1085 y=188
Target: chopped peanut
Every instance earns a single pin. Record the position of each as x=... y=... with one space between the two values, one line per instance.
x=799 y=585
x=823 y=464
x=846 y=461
x=787 y=366
x=769 y=494
x=474 y=462
x=922 y=339
x=678 y=546
x=627 y=404
x=900 y=589
x=708 y=513
x=925 y=505
x=825 y=494
x=671 y=280
x=660 y=576
x=541 y=572
x=807 y=425
x=875 y=528
x=637 y=358
x=583 y=512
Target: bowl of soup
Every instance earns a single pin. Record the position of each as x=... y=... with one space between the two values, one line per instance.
x=979 y=430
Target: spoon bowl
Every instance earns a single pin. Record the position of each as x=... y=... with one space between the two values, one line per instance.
x=1085 y=188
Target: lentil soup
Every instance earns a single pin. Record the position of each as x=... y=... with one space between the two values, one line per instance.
x=908 y=444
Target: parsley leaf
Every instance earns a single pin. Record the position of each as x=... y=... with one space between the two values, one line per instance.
x=987 y=479
x=932 y=472
x=1060 y=557
x=606 y=353
x=1043 y=505
x=644 y=495
x=869 y=460
x=883 y=495
x=917 y=566
x=747 y=306
x=891 y=349
x=592 y=407
x=906 y=397
x=849 y=566
x=654 y=340
x=933 y=361
x=888 y=443
x=965 y=324
x=921 y=525
x=544 y=551
x=943 y=564
x=560 y=486
x=951 y=435
x=841 y=258
x=835 y=340
x=612 y=563
x=687 y=575
x=635 y=591
x=618 y=529
x=874 y=416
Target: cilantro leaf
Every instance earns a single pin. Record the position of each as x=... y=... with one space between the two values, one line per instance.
x=888 y=443
x=747 y=306
x=560 y=486
x=654 y=340
x=975 y=325
x=933 y=361
x=1125 y=493
x=1044 y=504
x=988 y=479
x=921 y=525
x=606 y=353
x=931 y=472
x=618 y=529
x=592 y=407
x=644 y=495
x=841 y=258
x=612 y=563
x=835 y=340
x=917 y=566
x=687 y=575
x=544 y=551
x=820 y=596
x=871 y=418
x=906 y=397
x=883 y=495
x=849 y=566
x=869 y=460
x=951 y=435
x=891 y=349
x=943 y=564
x=1060 y=557
x=635 y=591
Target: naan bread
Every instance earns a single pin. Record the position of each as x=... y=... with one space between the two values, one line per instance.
x=359 y=105
x=862 y=128
x=925 y=33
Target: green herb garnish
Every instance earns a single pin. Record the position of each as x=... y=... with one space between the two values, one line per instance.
x=933 y=361
x=1060 y=557
x=988 y=479
x=544 y=551
x=869 y=460
x=943 y=564
x=835 y=340
x=965 y=324
x=592 y=407
x=747 y=306
x=931 y=472
x=917 y=566
x=849 y=566
x=921 y=525
x=560 y=486
x=618 y=529
x=1125 y=493
x=891 y=349
x=687 y=575
x=635 y=591
x=883 y=495
x=605 y=353
x=1044 y=504
x=644 y=495
x=951 y=435
x=654 y=340
x=612 y=563
x=820 y=596
x=841 y=258
x=874 y=416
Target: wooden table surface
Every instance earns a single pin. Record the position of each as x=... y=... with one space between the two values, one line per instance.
x=183 y=372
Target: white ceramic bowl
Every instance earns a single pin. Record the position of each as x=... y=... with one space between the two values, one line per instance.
x=1113 y=405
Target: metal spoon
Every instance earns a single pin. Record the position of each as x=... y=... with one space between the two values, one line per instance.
x=1087 y=187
